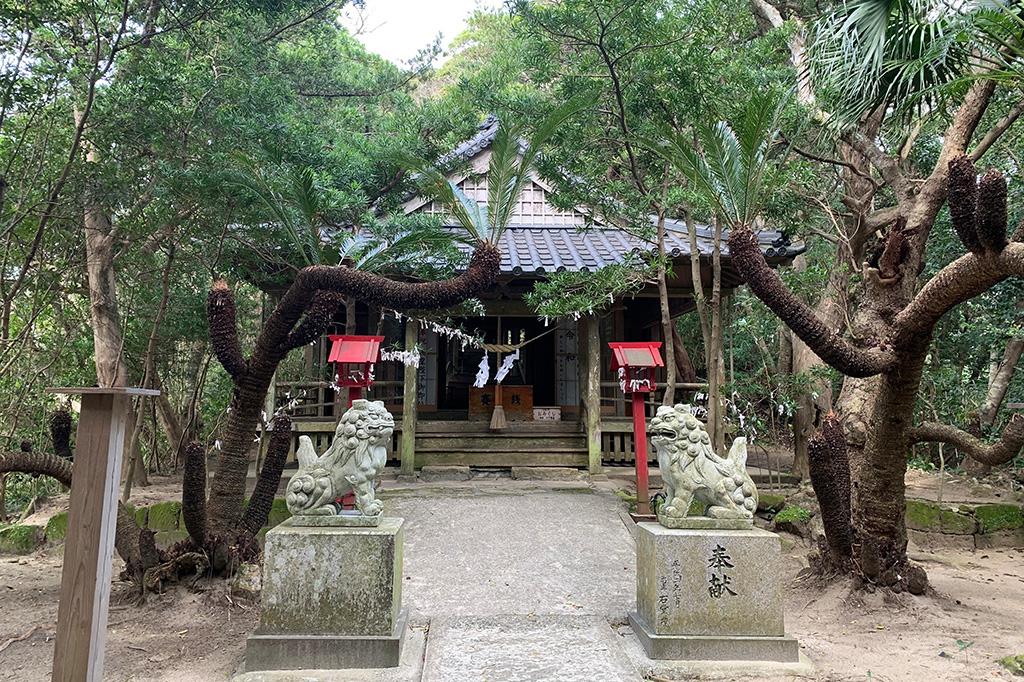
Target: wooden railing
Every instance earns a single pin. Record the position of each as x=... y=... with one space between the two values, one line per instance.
x=317 y=397
x=611 y=394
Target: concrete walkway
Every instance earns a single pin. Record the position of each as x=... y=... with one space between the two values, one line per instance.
x=518 y=581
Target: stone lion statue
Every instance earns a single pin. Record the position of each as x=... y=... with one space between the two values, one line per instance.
x=354 y=460
x=691 y=470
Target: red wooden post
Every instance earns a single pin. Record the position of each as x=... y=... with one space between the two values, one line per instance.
x=354 y=394
x=635 y=361
x=643 y=495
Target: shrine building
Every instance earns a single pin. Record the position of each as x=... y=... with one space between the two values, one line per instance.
x=563 y=370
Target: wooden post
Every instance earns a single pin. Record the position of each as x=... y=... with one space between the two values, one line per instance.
x=92 y=520
x=593 y=394
x=643 y=495
x=409 y=391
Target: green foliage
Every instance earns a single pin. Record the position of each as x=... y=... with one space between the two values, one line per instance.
x=512 y=164
x=1014 y=664
x=20 y=539
x=572 y=293
x=727 y=162
x=996 y=517
x=793 y=513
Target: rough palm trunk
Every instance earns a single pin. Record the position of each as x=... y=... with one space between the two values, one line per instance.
x=891 y=329
x=301 y=316
x=829 y=469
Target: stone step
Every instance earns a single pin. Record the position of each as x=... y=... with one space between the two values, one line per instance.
x=529 y=428
x=510 y=449
x=497 y=458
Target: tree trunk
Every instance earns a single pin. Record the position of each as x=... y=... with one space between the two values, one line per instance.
x=816 y=401
x=1000 y=382
x=169 y=422
x=685 y=371
x=716 y=368
x=108 y=342
x=666 y=317
x=880 y=549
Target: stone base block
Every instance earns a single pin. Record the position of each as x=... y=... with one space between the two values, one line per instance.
x=332 y=580
x=710 y=648
x=324 y=652
x=717 y=583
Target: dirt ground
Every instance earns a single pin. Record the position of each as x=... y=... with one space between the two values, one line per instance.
x=198 y=636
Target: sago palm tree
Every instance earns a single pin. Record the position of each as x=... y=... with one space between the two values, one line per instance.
x=514 y=157
x=726 y=162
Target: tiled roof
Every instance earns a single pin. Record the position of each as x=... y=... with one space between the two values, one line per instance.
x=538 y=250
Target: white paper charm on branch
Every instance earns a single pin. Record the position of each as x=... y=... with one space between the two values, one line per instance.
x=506 y=366
x=484 y=373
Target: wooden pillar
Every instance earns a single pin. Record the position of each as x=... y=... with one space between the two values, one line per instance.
x=409 y=391
x=619 y=334
x=592 y=400
x=92 y=520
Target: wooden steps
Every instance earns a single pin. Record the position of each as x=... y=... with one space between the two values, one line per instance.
x=520 y=444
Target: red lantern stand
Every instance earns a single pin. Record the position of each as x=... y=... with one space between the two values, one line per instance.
x=634 y=362
x=354 y=358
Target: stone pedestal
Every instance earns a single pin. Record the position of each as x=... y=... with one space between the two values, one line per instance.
x=332 y=598
x=710 y=594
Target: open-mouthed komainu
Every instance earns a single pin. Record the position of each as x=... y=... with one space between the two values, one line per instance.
x=354 y=460
x=691 y=470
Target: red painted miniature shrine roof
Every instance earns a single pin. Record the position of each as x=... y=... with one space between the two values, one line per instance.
x=636 y=354
x=355 y=349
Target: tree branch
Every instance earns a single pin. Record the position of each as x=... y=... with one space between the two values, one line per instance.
x=963 y=279
x=997 y=130
x=41 y=463
x=262 y=498
x=301 y=20
x=769 y=287
x=318 y=317
x=221 y=314
x=1002 y=451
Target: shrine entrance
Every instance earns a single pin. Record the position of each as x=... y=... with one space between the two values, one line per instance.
x=542 y=384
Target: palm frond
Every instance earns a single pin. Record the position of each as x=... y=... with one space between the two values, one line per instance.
x=280 y=207
x=906 y=54
x=512 y=164
x=726 y=162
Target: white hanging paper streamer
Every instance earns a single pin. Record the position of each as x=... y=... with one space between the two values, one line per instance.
x=506 y=366
x=483 y=373
x=409 y=358
x=443 y=330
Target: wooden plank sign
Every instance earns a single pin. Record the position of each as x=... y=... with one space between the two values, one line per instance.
x=92 y=520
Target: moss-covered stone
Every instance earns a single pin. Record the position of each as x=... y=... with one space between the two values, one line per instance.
x=164 y=516
x=140 y=516
x=57 y=527
x=997 y=517
x=166 y=538
x=931 y=517
x=20 y=539
x=1015 y=664
x=696 y=508
x=793 y=513
x=278 y=512
x=769 y=502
